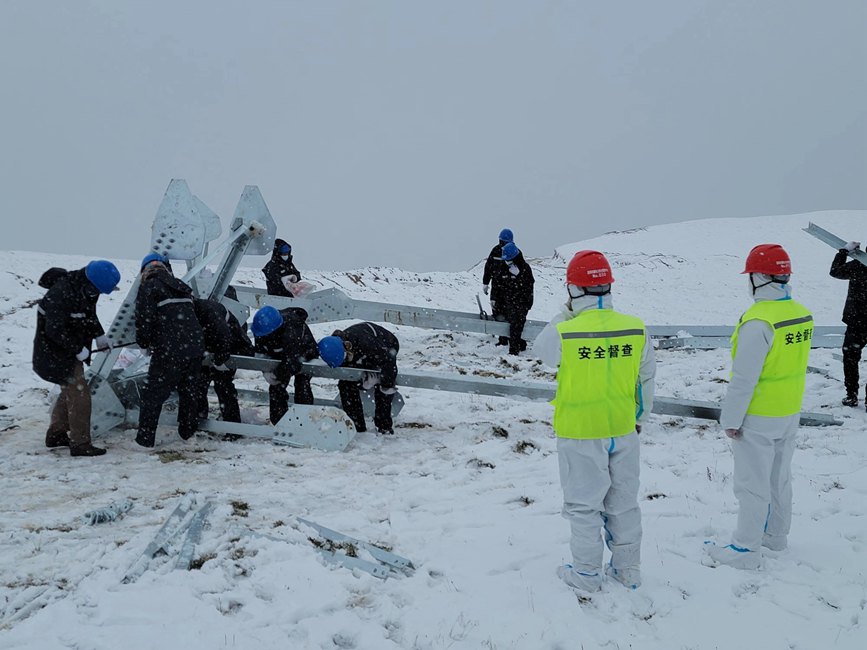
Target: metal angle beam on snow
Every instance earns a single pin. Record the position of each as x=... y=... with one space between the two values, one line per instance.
x=331 y=305
x=380 y=554
x=176 y=522
x=533 y=390
x=193 y=536
x=834 y=241
x=368 y=400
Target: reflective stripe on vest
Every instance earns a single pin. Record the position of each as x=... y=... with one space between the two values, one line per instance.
x=172 y=301
x=780 y=388
x=596 y=382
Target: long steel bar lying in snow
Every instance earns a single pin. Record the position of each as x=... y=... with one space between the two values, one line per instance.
x=532 y=390
x=331 y=305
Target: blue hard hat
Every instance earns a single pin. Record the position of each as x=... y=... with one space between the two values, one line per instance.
x=510 y=251
x=153 y=257
x=331 y=351
x=266 y=321
x=103 y=275
x=506 y=235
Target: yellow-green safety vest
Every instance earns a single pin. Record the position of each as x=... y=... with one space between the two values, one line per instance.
x=597 y=379
x=780 y=388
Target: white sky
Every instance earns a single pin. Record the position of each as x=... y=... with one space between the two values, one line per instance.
x=407 y=134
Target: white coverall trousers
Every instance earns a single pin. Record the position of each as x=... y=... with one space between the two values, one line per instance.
x=600 y=491
x=763 y=479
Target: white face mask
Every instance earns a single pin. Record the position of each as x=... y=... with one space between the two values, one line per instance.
x=285 y=258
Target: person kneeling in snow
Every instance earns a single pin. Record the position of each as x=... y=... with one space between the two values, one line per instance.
x=283 y=335
x=605 y=384
x=762 y=408
x=370 y=347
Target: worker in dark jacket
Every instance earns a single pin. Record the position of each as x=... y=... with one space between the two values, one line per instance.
x=167 y=329
x=66 y=324
x=280 y=271
x=223 y=336
x=495 y=276
x=855 y=317
x=371 y=347
x=283 y=335
x=516 y=296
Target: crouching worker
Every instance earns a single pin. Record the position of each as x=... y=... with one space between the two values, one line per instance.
x=66 y=323
x=283 y=335
x=370 y=347
x=166 y=327
x=223 y=336
x=605 y=384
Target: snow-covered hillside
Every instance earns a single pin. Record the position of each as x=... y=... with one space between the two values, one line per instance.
x=467 y=489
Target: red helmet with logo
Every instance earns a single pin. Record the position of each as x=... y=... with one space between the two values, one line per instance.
x=589 y=269
x=770 y=259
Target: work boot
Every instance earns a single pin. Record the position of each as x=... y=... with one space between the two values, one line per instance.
x=56 y=439
x=629 y=577
x=385 y=430
x=186 y=435
x=145 y=439
x=850 y=400
x=503 y=340
x=588 y=582
x=736 y=557
x=86 y=450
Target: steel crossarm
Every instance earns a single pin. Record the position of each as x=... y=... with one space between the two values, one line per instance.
x=834 y=241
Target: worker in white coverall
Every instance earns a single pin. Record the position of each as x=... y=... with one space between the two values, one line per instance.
x=606 y=367
x=762 y=408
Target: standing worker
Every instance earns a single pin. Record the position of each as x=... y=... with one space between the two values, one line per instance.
x=223 y=336
x=516 y=296
x=495 y=276
x=761 y=409
x=605 y=384
x=280 y=271
x=371 y=347
x=283 y=335
x=167 y=329
x=855 y=317
x=66 y=323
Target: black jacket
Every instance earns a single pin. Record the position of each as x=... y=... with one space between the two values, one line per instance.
x=516 y=293
x=66 y=322
x=292 y=343
x=855 y=310
x=165 y=319
x=495 y=267
x=374 y=348
x=222 y=331
x=276 y=269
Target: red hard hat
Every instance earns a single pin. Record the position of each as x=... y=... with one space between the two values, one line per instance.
x=589 y=269
x=769 y=259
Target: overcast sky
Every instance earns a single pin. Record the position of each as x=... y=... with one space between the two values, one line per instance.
x=408 y=133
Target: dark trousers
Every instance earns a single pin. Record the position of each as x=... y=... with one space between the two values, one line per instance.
x=279 y=397
x=498 y=314
x=516 y=318
x=350 y=399
x=853 y=343
x=182 y=375
x=227 y=394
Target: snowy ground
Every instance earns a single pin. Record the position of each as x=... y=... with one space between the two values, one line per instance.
x=467 y=489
